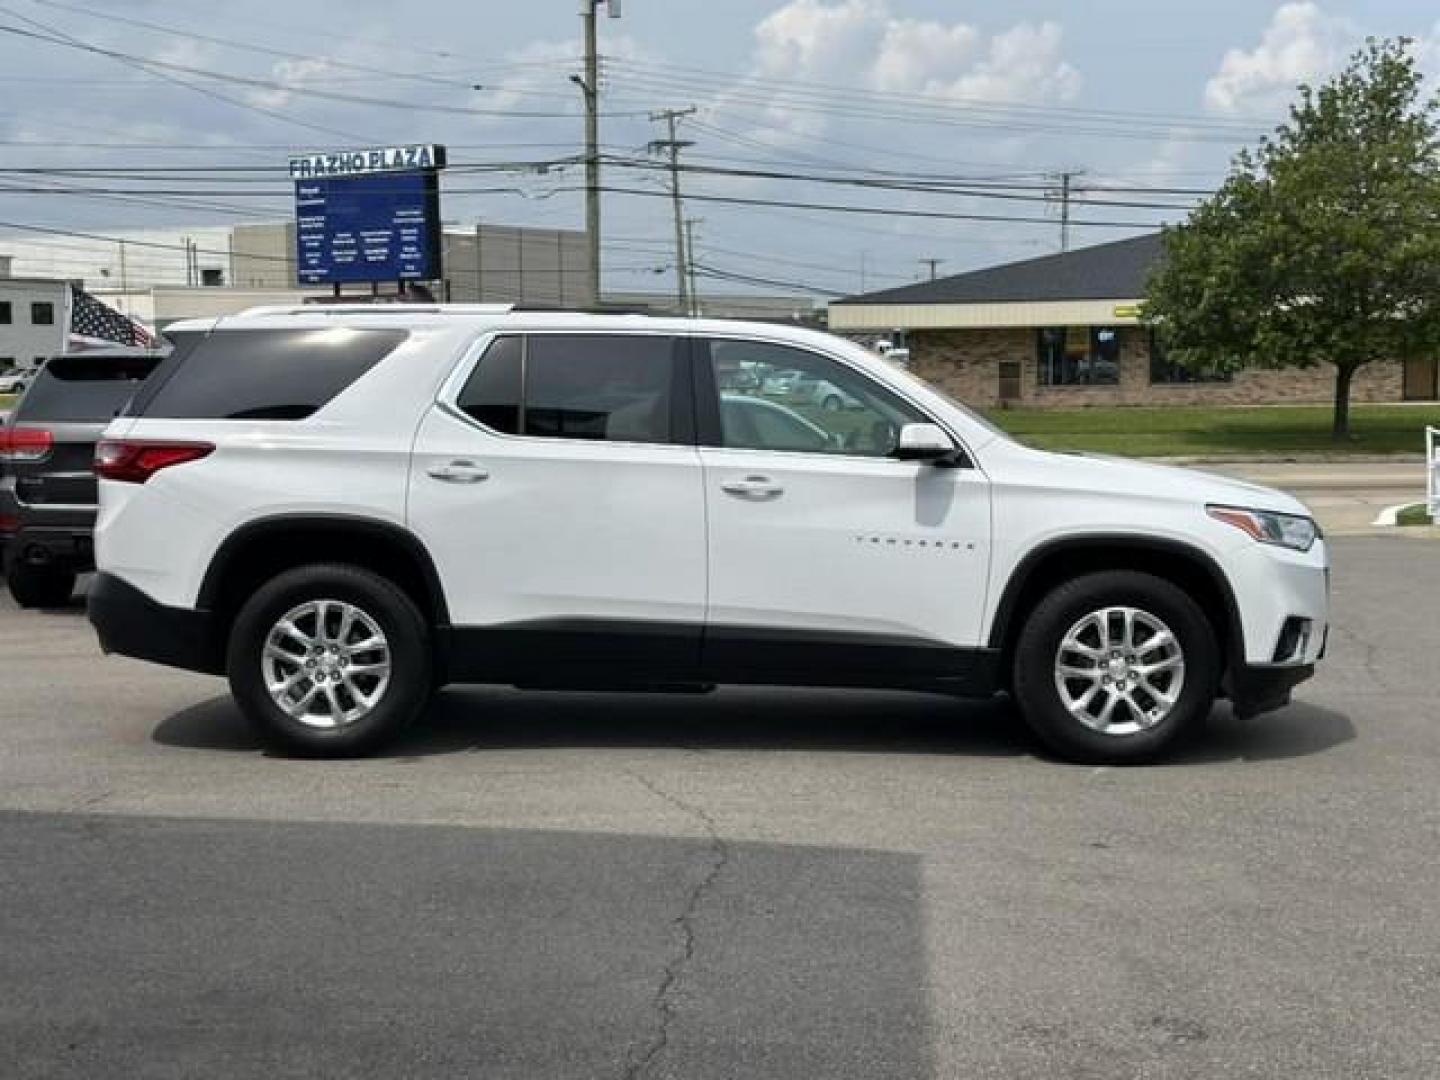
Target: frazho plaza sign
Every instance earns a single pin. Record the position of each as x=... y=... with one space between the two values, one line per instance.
x=369 y=215
x=362 y=162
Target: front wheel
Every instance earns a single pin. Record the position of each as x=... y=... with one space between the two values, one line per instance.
x=1110 y=668
x=330 y=660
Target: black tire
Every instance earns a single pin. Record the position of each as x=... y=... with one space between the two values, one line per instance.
x=406 y=632
x=40 y=586
x=1036 y=655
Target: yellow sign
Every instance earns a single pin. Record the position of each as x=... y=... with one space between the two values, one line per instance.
x=1127 y=311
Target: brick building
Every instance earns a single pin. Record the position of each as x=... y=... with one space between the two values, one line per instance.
x=1063 y=331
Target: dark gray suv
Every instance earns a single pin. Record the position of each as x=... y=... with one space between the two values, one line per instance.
x=47 y=483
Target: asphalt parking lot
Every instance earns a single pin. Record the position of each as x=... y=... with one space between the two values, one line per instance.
x=754 y=883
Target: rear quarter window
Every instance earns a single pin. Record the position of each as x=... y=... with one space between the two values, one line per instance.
x=74 y=389
x=262 y=374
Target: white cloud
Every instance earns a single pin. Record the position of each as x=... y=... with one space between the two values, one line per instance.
x=291 y=75
x=862 y=42
x=1302 y=44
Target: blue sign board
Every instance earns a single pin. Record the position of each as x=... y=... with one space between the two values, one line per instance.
x=373 y=227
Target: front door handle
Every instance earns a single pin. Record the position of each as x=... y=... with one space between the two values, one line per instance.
x=753 y=487
x=458 y=472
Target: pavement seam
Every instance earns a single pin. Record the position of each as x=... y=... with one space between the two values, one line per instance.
x=663 y=1000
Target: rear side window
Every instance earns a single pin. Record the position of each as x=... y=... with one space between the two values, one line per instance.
x=74 y=389
x=492 y=395
x=604 y=387
x=262 y=374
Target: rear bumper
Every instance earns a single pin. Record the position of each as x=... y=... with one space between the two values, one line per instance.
x=131 y=623
x=63 y=547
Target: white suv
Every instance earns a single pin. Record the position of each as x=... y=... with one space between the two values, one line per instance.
x=344 y=508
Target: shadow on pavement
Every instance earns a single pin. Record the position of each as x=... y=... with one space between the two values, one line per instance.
x=477 y=719
x=278 y=949
x=1298 y=730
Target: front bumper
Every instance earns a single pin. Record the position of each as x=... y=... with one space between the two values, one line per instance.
x=1257 y=689
x=131 y=623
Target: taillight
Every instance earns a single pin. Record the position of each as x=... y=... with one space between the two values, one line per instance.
x=133 y=461
x=9 y=524
x=25 y=444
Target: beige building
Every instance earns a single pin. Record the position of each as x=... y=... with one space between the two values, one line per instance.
x=1063 y=331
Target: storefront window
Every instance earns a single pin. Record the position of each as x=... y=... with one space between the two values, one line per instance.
x=1079 y=356
x=1164 y=371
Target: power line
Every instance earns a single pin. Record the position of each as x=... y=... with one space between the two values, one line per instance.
x=58 y=37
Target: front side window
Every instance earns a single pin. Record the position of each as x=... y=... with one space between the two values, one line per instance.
x=42 y=313
x=1078 y=356
x=779 y=398
x=600 y=387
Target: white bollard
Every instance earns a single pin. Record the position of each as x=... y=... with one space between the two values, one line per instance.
x=1432 y=472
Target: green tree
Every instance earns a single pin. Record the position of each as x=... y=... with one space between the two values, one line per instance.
x=1323 y=244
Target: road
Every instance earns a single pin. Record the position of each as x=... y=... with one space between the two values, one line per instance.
x=750 y=884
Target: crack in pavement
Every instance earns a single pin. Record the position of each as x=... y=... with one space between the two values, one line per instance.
x=663 y=1001
x=1369 y=654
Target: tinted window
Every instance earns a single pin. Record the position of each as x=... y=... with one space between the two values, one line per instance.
x=80 y=388
x=1078 y=356
x=42 y=313
x=1165 y=370
x=774 y=397
x=612 y=387
x=264 y=374
x=492 y=395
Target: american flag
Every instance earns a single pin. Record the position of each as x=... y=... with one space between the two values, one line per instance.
x=93 y=325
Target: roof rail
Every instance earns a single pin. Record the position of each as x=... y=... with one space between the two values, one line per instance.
x=375 y=309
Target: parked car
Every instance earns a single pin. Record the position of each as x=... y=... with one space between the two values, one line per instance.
x=808 y=390
x=343 y=508
x=47 y=486
x=16 y=380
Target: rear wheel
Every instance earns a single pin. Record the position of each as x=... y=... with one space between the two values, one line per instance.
x=330 y=660
x=1112 y=667
x=40 y=586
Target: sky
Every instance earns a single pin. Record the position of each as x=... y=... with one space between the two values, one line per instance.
x=1142 y=102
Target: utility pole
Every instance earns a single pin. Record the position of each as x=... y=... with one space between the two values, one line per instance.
x=674 y=146
x=479 y=265
x=1066 y=192
x=690 y=224
x=932 y=263
x=590 y=87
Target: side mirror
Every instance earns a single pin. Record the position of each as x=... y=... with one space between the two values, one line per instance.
x=925 y=442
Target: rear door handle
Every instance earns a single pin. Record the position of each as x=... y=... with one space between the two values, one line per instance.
x=458 y=472
x=753 y=487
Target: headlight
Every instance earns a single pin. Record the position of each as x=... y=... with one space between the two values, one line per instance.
x=1285 y=530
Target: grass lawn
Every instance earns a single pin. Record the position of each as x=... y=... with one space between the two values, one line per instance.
x=1174 y=431
x=1414 y=515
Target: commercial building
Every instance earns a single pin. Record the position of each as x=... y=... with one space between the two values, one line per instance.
x=32 y=318
x=1063 y=330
